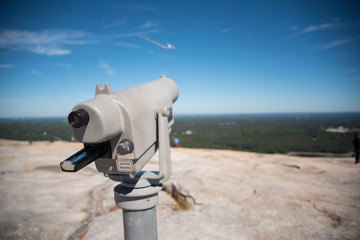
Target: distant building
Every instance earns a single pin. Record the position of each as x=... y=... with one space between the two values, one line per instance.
x=342 y=129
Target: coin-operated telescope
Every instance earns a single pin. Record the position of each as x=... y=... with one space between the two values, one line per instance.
x=121 y=131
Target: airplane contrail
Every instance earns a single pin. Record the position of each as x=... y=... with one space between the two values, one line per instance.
x=169 y=46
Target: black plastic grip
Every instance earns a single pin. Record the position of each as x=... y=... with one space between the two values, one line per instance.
x=83 y=157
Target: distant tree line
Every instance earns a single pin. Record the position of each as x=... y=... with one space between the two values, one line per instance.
x=36 y=129
x=268 y=133
x=256 y=133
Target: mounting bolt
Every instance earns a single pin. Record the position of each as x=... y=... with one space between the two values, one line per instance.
x=125 y=147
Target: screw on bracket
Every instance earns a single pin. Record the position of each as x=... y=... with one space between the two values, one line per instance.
x=125 y=147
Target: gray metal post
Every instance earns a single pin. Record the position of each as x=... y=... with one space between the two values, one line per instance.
x=138 y=200
x=140 y=224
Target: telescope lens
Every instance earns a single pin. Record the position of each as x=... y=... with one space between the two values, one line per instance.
x=78 y=118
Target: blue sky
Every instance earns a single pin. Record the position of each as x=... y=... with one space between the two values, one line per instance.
x=229 y=56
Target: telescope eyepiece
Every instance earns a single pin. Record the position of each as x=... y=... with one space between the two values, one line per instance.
x=78 y=118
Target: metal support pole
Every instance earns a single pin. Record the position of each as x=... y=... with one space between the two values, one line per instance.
x=140 y=224
x=138 y=200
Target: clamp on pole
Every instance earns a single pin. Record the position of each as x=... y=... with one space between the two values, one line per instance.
x=164 y=145
x=154 y=177
x=138 y=196
x=141 y=192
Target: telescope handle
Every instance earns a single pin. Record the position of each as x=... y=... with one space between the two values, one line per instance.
x=83 y=157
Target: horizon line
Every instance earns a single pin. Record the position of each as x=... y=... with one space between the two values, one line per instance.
x=205 y=114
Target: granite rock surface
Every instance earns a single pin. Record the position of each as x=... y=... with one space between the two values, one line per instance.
x=219 y=195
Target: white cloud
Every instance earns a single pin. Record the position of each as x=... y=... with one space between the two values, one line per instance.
x=133 y=46
x=49 y=50
x=48 y=42
x=339 y=42
x=8 y=65
x=37 y=73
x=314 y=28
x=138 y=7
x=227 y=30
x=149 y=24
x=354 y=69
x=335 y=43
x=116 y=23
x=128 y=45
x=67 y=65
x=108 y=70
x=125 y=35
x=320 y=27
x=134 y=34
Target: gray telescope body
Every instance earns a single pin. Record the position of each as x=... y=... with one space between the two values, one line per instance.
x=125 y=122
x=121 y=131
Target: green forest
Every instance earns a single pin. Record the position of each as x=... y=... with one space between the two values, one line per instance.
x=307 y=134
x=277 y=133
x=36 y=129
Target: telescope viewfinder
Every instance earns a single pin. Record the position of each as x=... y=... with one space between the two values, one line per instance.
x=78 y=118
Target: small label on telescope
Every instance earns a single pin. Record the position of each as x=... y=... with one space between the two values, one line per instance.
x=170 y=117
x=126 y=165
